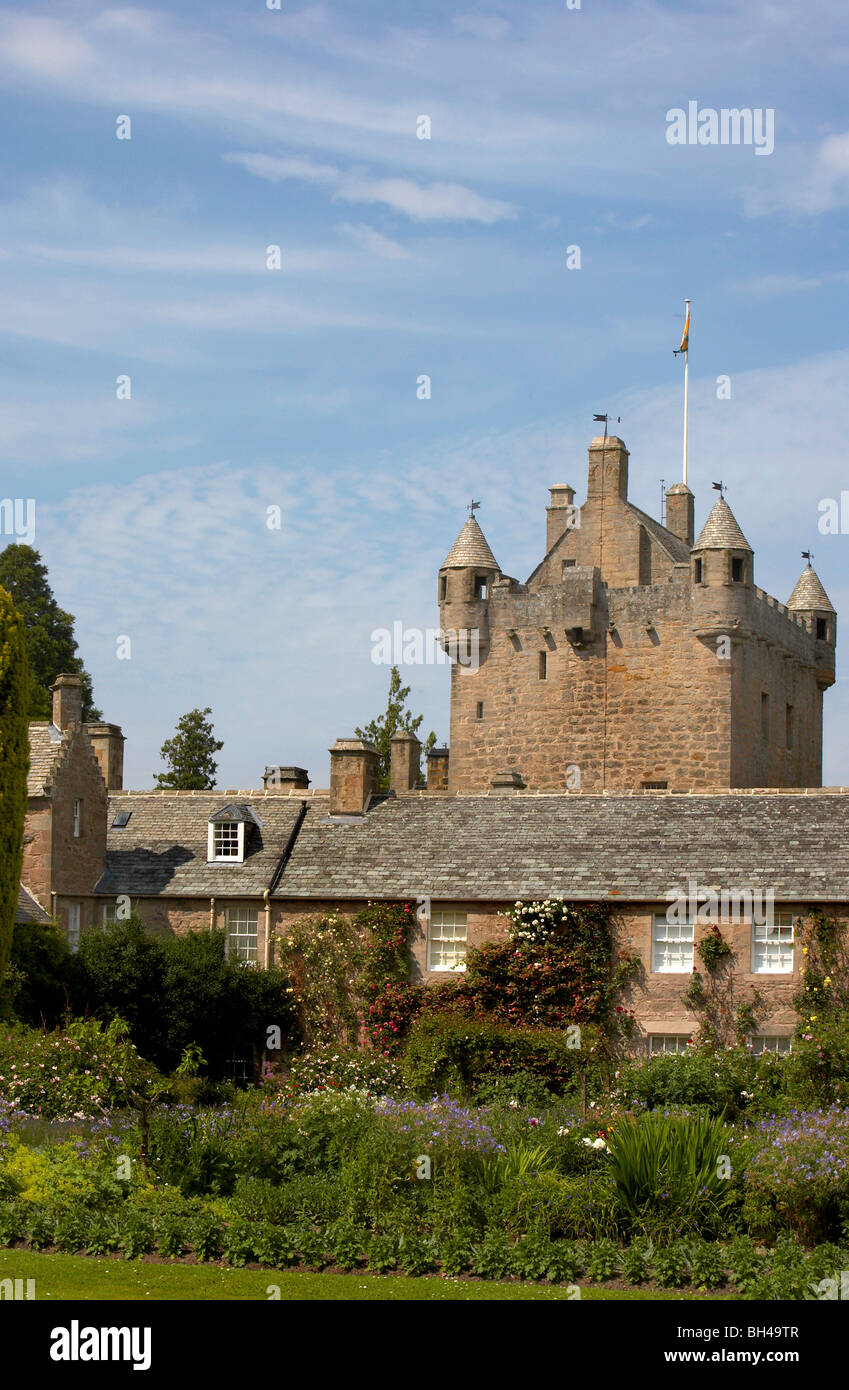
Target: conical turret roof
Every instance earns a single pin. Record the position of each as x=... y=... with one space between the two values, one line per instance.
x=809 y=593
x=470 y=548
x=721 y=532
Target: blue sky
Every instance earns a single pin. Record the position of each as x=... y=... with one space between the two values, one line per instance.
x=400 y=256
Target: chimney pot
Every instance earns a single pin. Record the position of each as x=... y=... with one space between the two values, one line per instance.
x=404 y=762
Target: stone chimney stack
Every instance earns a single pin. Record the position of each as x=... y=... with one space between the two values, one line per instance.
x=354 y=775
x=608 y=461
x=437 y=770
x=404 y=762
x=680 y=512
x=560 y=515
x=285 y=779
x=67 y=701
x=108 y=744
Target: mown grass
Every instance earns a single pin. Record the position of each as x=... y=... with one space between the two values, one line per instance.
x=81 y=1277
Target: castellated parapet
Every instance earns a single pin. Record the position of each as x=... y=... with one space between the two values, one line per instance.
x=632 y=657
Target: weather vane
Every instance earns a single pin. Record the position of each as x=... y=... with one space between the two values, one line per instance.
x=473 y=506
x=721 y=488
x=808 y=555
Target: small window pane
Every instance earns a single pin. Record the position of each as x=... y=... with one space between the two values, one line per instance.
x=226 y=840
x=241 y=928
x=447 y=940
x=772 y=945
x=672 y=946
x=671 y=1043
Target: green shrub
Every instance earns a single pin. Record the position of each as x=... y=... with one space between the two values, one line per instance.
x=564 y=1262
x=603 y=1260
x=40 y=1225
x=747 y=1267
x=636 y=1262
x=310 y=1243
x=573 y=1206
x=457 y=1252
x=14 y=1216
x=382 y=1253
x=672 y=1265
x=707 y=1264
x=416 y=1255
x=446 y=1054
x=136 y=1233
x=173 y=1235
x=71 y=1230
x=102 y=1236
x=729 y=1082
x=239 y=1243
x=493 y=1256
x=346 y=1244
x=207 y=1234
x=271 y=1244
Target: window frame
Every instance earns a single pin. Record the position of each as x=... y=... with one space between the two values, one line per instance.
x=215 y=827
x=245 y=954
x=432 y=940
x=75 y=917
x=766 y=1038
x=763 y=943
x=660 y=918
x=677 y=1051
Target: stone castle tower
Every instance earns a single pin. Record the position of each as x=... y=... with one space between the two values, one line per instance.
x=634 y=657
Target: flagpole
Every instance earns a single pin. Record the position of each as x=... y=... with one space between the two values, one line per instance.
x=686 y=388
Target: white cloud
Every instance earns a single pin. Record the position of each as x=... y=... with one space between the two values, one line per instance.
x=44 y=48
x=374 y=242
x=435 y=202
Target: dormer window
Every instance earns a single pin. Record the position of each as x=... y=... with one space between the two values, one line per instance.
x=225 y=841
x=227 y=834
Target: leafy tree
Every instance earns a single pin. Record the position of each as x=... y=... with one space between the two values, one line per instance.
x=180 y=992
x=189 y=754
x=396 y=720
x=50 y=641
x=14 y=765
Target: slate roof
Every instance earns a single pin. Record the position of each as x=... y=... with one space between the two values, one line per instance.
x=809 y=593
x=503 y=847
x=470 y=548
x=721 y=532
x=672 y=544
x=496 y=847
x=28 y=909
x=47 y=747
x=162 y=851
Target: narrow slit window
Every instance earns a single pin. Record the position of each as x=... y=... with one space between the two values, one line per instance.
x=736 y=570
x=764 y=715
x=822 y=630
x=697 y=571
x=480 y=586
x=443 y=586
x=479 y=714
x=788 y=718
x=543 y=666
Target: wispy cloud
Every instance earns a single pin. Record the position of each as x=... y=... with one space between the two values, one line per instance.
x=435 y=202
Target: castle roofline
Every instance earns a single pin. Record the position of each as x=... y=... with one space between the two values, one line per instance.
x=721 y=531
x=809 y=594
x=470 y=548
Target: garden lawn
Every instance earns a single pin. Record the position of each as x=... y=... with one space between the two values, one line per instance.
x=80 y=1277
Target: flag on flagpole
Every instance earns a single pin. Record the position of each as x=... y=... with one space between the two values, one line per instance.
x=685 y=340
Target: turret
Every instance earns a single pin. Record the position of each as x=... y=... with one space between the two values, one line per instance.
x=811 y=601
x=722 y=569
x=466 y=577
